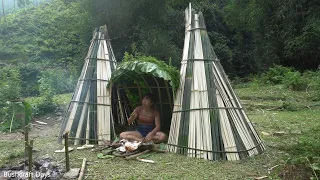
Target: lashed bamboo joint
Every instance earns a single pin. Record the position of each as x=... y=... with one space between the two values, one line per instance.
x=208 y=120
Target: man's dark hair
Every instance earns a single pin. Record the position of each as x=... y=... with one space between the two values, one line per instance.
x=151 y=97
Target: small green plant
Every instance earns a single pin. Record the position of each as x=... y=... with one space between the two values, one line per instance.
x=16 y=114
x=10 y=87
x=294 y=81
x=42 y=105
x=313 y=79
x=288 y=105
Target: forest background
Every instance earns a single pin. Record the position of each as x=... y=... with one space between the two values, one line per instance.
x=43 y=43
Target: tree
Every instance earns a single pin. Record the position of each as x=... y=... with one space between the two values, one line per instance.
x=3 y=9
x=23 y=3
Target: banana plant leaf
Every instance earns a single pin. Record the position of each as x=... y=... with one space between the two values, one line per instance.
x=141 y=66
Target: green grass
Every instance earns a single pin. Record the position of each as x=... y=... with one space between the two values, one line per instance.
x=60 y=99
x=11 y=151
x=298 y=145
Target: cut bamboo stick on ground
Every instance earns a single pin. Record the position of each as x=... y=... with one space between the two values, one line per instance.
x=83 y=169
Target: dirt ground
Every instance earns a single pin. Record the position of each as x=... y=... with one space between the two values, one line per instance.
x=50 y=129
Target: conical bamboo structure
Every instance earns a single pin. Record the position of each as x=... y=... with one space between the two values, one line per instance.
x=208 y=120
x=89 y=117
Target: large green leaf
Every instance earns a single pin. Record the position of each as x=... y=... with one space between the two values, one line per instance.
x=132 y=67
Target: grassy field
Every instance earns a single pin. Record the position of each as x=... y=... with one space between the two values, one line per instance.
x=287 y=121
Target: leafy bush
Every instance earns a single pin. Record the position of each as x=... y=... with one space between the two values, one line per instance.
x=15 y=115
x=294 y=81
x=29 y=74
x=275 y=75
x=42 y=105
x=313 y=79
x=9 y=90
x=57 y=80
x=51 y=82
x=13 y=111
x=10 y=84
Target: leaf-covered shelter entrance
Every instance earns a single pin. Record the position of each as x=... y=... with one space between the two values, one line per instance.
x=136 y=76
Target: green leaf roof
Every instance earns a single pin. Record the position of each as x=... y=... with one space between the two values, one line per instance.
x=145 y=65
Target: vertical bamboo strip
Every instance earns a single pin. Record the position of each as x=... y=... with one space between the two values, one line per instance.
x=88 y=126
x=81 y=122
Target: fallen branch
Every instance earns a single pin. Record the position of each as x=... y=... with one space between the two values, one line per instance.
x=83 y=169
x=138 y=154
x=270 y=169
x=145 y=160
x=40 y=122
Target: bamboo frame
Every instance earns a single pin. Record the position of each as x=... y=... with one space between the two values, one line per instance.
x=89 y=113
x=208 y=120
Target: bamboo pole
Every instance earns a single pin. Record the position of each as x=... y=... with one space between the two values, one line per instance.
x=30 y=147
x=82 y=117
x=105 y=70
x=26 y=137
x=99 y=90
x=121 y=118
x=83 y=169
x=88 y=126
x=108 y=112
x=169 y=95
x=175 y=133
x=159 y=95
x=66 y=149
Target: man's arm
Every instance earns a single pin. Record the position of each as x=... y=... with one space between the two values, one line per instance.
x=133 y=116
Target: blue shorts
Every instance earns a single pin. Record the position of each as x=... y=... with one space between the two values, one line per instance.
x=145 y=129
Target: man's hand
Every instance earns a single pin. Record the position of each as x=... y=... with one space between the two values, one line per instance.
x=148 y=137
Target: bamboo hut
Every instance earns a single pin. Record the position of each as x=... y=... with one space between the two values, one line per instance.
x=208 y=120
x=89 y=117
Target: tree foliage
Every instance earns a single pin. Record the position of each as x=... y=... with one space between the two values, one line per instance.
x=280 y=32
x=248 y=36
x=53 y=34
